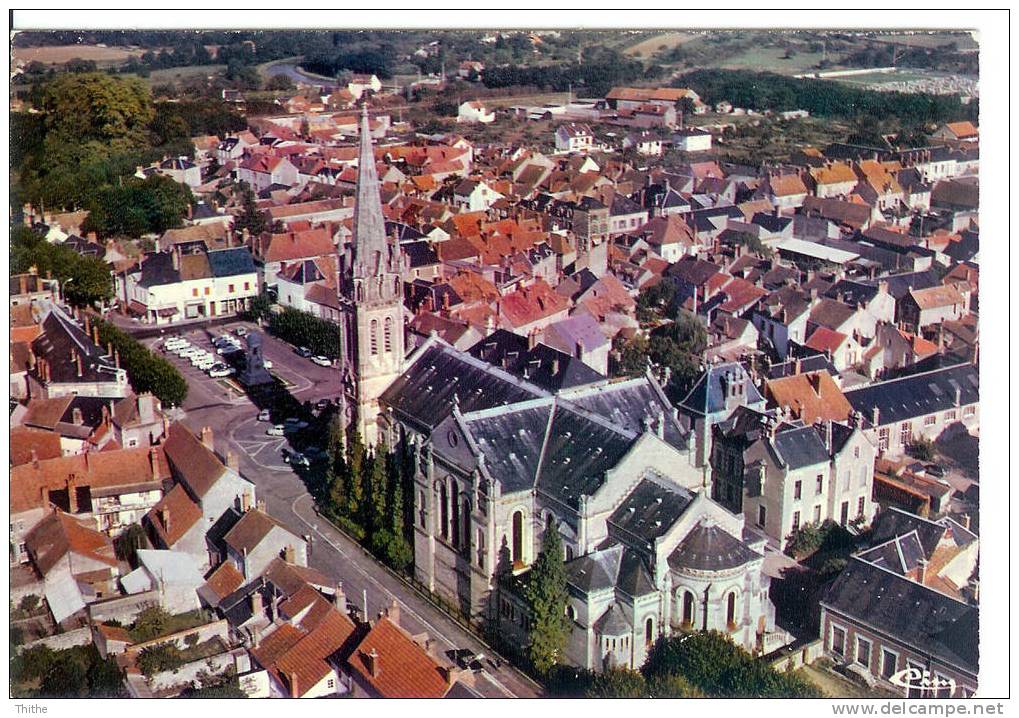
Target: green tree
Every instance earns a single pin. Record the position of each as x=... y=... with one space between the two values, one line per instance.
x=96 y=107
x=150 y=623
x=127 y=544
x=672 y=686
x=546 y=597
x=618 y=683
x=250 y=218
x=377 y=487
x=357 y=463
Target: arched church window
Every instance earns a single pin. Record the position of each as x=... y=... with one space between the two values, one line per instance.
x=518 y=536
x=730 y=609
x=649 y=631
x=687 y=608
x=373 y=336
x=387 y=340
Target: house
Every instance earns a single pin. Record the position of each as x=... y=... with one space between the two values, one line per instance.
x=670 y=237
x=205 y=489
x=470 y=70
x=719 y=391
x=645 y=144
x=959 y=131
x=531 y=307
x=178 y=285
x=107 y=490
x=921 y=308
x=782 y=316
x=232 y=148
x=785 y=192
x=904 y=613
x=261 y=171
x=842 y=349
x=182 y=170
x=580 y=336
x=691 y=139
x=894 y=348
x=171 y=574
x=920 y=405
x=783 y=475
x=833 y=180
x=573 y=137
x=474 y=196
x=257 y=538
x=66 y=360
x=360 y=83
x=271 y=250
x=78 y=564
x=809 y=397
x=474 y=111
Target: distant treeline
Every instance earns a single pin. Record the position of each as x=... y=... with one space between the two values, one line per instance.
x=822 y=98
x=593 y=77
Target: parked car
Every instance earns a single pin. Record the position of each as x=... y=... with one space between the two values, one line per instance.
x=274 y=430
x=228 y=349
x=321 y=360
x=264 y=415
x=303 y=352
x=295 y=458
x=241 y=332
x=293 y=424
x=217 y=371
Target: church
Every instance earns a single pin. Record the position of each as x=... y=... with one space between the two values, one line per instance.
x=502 y=457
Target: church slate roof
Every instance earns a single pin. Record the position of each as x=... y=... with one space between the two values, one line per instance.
x=613 y=623
x=708 y=547
x=650 y=510
x=799 y=446
x=543 y=365
x=512 y=442
x=917 y=395
x=627 y=403
x=708 y=396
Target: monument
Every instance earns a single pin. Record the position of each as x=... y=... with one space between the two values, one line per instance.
x=254 y=372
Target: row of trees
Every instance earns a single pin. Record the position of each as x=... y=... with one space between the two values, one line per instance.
x=365 y=493
x=302 y=328
x=78 y=672
x=595 y=75
x=84 y=280
x=146 y=371
x=823 y=98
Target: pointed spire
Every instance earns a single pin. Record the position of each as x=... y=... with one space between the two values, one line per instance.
x=370 y=248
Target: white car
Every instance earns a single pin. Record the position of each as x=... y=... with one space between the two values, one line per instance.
x=205 y=363
x=217 y=371
x=267 y=363
x=275 y=430
x=171 y=344
x=321 y=360
x=264 y=415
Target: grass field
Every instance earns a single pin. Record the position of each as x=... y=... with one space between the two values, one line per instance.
x=648 y=47
x=963 y=41
x=59 y=54
x=176 y=74
x=772 y=59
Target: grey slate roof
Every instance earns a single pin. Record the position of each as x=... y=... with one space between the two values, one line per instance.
x=649 y=511
x=799 y=446
x=157 y=269
x=708 y=397
x=914 y=614
x=61 y=335
x=708 y=547
x=918 y=395
x=627 y=403
x=613 y=623
x=231 y=262
x=542 y=365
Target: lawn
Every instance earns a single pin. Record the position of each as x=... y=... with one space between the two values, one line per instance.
x=176 y=74
x=658 y=43
x=60 y=54
x=772 y=59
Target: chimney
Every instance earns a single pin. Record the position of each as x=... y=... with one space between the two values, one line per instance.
x=245 y=502
x=44 y=494
x=532 y=339
x=875 y=416
x=340 y=599
x=260 y=505
x=964 y=519
x=232 y=462
x=23 y=283
x=164 y=518
x=76 y=417
x=77 y=361
x=72 y=493
x=206 y=436
x=921 y=571
x=290 y=554
x=154 y=463
x=371 y=659
x=393 y=612
x=815 y=381
x=175 y=258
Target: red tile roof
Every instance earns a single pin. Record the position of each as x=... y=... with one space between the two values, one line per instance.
x=827 y=340
x=810 y=396
x=224 y=580
x=59 y=534
x=194 y=464
x=295 y=245
x=532 y=303
x=403 y=668
x=176 y=509
x=27 y=444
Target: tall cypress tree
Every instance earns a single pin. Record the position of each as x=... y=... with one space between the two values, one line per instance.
x=356 y=466
x=546 y=597
x=378 y=487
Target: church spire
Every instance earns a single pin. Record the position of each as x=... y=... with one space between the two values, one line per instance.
x=371 y=251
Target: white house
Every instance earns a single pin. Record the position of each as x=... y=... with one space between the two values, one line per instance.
x=645 y=143
x=474 y=196
x=264 y=170
x=692 y=140
x=573 y=137
x=475 y=111
x=360 y=83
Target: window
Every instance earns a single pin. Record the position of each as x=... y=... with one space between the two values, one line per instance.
x=247 y=286
x=918 y=691
x=421 y=508
x=796 y=520
x=820 y=485
x=373 y=337
x=905 y=433
x=230 y=288
x=797 y=490
x=444 y=511
x=518 y=537
x=950 y=415
x=969 y=411
x=571 y=613
x=206 y=291
x=863 y=651
x=331 y=683
x=861 y=505
x=838 y=641
x=387 y=341
x=687 y=608
x=817 y=514
x=944 y=686
x=569 y=553
x=649 y=631
x=194 y=291
x=856 y=452
x=762 y=514
x=882 y=439
x=889 y=662
x=481 y=548
x=930 y=420
x=863 y=476
x=730 y=609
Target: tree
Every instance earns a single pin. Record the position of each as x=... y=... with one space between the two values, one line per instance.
x=356 y=463
x=377 y=489
x=250 y=219
x=618 y=683
x=546 y=597
x=96 y=107
x=127 y=544
x=150 y=623
x=672 y=686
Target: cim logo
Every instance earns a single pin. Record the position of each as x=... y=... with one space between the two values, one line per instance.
x=921 y=680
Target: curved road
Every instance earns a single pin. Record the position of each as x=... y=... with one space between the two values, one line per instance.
x=334 y=554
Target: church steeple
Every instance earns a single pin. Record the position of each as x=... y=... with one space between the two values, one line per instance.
x=372 y=253
x=371 y=300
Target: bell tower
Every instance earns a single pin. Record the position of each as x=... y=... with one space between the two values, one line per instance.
x=371 y=301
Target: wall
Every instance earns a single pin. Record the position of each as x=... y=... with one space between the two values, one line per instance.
x=123 y=609
x=77 y=637
x=183 y=676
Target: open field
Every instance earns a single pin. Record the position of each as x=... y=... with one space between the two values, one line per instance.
x=648 y=47
x=59 y=54
x=772 y=59
x=176 y=74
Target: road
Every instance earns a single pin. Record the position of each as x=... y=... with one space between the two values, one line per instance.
x=232 y=419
